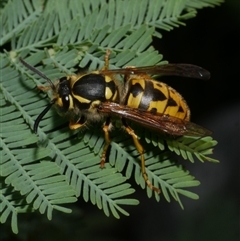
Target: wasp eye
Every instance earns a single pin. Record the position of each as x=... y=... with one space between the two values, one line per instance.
x=66 y=102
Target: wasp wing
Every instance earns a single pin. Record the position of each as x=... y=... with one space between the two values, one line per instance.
x=184 y=70
x=155 y=121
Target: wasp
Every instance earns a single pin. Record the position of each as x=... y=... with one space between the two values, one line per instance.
x=99 y=95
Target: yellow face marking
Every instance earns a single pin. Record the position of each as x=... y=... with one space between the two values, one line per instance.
x=59 y=102
x=71 y=106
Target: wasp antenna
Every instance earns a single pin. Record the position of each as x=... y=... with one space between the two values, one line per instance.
x=42 y=114
x=37 y=72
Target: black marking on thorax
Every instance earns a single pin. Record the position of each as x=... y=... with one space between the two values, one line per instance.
x=91 y=87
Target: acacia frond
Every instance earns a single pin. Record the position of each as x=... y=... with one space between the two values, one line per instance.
x=45 y=171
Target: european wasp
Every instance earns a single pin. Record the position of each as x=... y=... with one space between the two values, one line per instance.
x=99 y=95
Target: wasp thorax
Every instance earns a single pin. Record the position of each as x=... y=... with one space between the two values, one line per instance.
x=93 y=87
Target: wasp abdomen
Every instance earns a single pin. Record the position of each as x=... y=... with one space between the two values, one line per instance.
x=156 y=97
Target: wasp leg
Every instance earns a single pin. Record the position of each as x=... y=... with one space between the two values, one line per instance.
x=76 y=125
x=107 y=142
x=106 y=59
x=140 y=150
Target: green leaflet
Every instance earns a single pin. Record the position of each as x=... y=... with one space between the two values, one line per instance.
x=46 y=171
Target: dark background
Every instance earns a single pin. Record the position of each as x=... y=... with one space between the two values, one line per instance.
x=210 y=40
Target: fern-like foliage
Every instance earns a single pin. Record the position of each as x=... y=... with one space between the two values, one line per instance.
x=46 y=171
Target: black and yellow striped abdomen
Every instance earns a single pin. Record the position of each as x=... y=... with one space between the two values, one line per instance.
x=157 y=97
